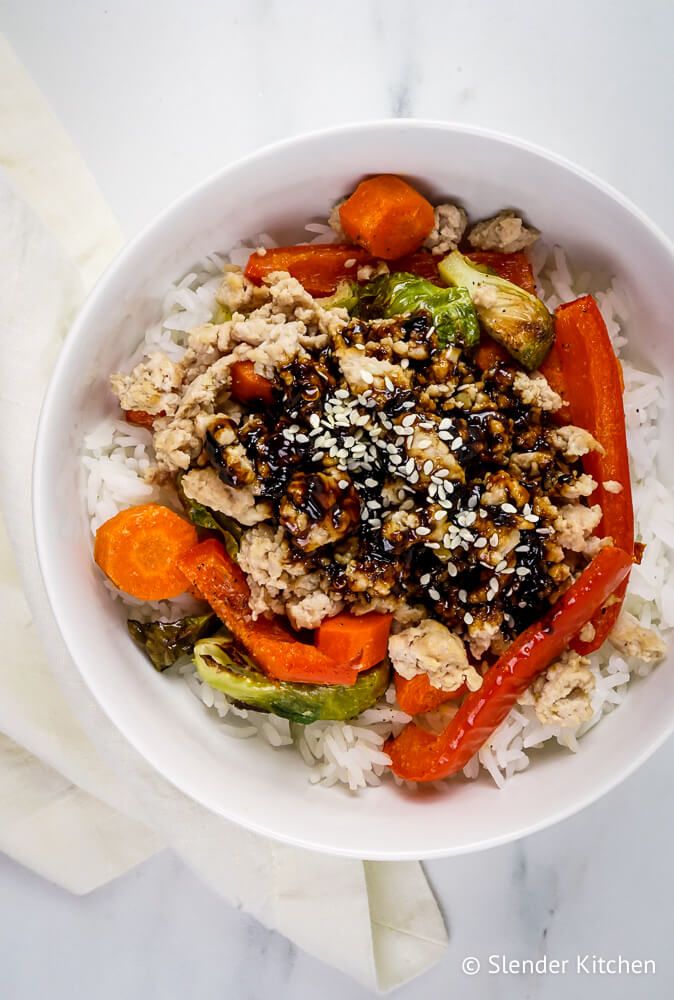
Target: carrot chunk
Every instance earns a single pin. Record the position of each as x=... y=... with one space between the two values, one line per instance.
x=139 y=549
x=358 y=639
x=221 y=582
x=387 y=217
x=248 y=386
x=417 y=695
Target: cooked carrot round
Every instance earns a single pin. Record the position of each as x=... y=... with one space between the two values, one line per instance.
x=139 y=549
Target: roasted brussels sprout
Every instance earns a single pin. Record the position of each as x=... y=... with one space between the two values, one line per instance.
x=225 y=667
x=165 y=642
x=451 y=309
x=346 y=295
x=510 y=315
x=203 y=517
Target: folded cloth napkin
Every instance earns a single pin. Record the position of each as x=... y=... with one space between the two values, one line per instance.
x=77 y=803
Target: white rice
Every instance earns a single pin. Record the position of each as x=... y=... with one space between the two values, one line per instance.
x=116 y=454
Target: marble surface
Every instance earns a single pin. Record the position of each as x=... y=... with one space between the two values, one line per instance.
x=159 y=94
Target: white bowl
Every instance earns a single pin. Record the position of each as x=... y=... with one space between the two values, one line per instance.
x=277 y=190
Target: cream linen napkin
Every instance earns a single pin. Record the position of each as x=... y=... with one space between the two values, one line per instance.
x=77 y=803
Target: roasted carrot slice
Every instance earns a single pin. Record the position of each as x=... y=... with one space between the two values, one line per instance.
x=360 y=639
x=248 y=386
x=220 y=581
x=387 y=216
x=417 y=695
x=139 y=549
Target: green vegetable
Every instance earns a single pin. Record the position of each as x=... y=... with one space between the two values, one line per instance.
x=204 y=517
x=346 y=295
x=451 y=309
x=221 y=314
x=166 y=642
x=510 y=315
x=225 y=667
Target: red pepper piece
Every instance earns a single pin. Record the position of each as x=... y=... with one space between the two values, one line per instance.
x=220 y=582
x=590 y=379
x=514 y=267
x=418 y=755
x=319 y=267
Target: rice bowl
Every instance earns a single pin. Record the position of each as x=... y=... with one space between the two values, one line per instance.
x=352 y=752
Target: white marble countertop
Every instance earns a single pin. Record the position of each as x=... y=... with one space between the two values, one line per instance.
x=158 y=94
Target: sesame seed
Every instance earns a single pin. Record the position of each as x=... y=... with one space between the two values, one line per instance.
x=315 y=420
x=427 y=467
x=425 y=443
x=440 y=515
x=343 y=484
x=443 y=473
x=342 y=394
x=493 y=541
x=366 y=376
x=374 y=505
x=445 y=435
x=472 y=502
x=433 y=594
x=388 y=383
x=318 y=455
x=432 y=545
x=523 y=571
x=370 y=482
x=508 y=572
x=480 y=543
x=407 y=505
x=425 y=579
x=359 y=347
x=457 y=443
x=414 y=477
x=405 y=363
x=532 y=518
x=451 y=569
x=508 y=508
x=374 y=522
x=445 y=423
x=408 y=419
x=469 y=518
x=408 y=467
x=468 y=618
x=463 y=596
x=522 y=548
x=501 y=566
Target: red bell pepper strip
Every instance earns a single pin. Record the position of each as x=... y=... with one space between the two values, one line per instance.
x=417 y=695
x=358 y=639
x=220 y=582
x=590 y=378
x=319 y=267
x=514 y=267
x=418 y=755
